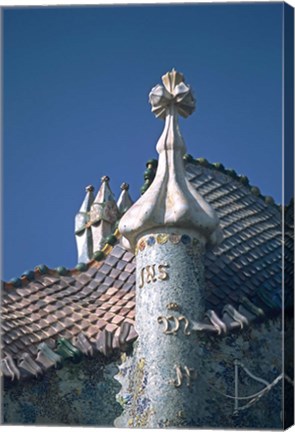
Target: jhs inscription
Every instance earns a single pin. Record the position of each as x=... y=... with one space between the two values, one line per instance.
x=153 y=273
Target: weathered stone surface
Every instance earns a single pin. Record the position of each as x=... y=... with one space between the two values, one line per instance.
x=169 y=273
x=78 y=394
x=258 y=348
x=84 y=393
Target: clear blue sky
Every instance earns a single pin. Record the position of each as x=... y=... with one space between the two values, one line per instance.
x=76 y=84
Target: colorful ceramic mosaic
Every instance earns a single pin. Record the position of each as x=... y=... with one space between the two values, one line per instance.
x=163 y=238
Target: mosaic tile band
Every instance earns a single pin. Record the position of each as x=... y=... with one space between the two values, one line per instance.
x=162 y=238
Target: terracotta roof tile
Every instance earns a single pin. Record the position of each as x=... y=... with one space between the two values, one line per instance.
x=26 y=341
x=125 y=310
x=128 y=256
x=86 y=291
x=128 y=296
x=92 y=271
x=108 y=281
x=124 y=276
x=99 y=312
x=113 y=300
x=106 y=306
x=68 y=322
x=47 y=280
x=84 y=279
x=111 y=327
x=114 y=273
x=93 y=318
x=105 y=269
x=75 y=330
x=101 y=289
x=92 y=331
x=115 y=309
x=112 y=291
x=130 y=267
x=51 y=319
x=118 y=283
x=130 y=280
x=14 y=297
x=80 y=326
x=121 y=265
x=121 y=293
x=109 y=316
x=118 y=251
x=111 y=260
x=117 y=319
x=104 y=297
x=131 y=314
x=60 y=314
x=122 y=302
x=99 y=278
x=23 y=292
x=69 y=280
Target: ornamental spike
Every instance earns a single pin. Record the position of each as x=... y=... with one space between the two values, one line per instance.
x=124 y=201
x=103 y=214
x=82 y=232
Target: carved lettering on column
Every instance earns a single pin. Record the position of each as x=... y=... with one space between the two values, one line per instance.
x=181 y=373
x=153 y=273
x=141 y=278
x=176 y=321
x=186 y=324
x=150 y=273
x=163 y=275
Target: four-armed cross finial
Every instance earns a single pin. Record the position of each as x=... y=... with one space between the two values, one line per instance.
x=174 y=92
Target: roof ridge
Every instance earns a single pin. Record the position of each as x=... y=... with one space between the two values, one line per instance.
x=151 y=165
x=243 y=179
x=42 y=269
x=111 y=240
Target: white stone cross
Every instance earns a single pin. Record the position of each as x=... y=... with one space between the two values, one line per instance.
x=174 y=92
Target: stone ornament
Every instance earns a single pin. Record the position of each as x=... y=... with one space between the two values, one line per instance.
x=104 y=206
x=124 y=202
x=175 y=92
x=106 y=211
x=82 y=227
x=82 y=217
x=94 y=223
x=171 y=201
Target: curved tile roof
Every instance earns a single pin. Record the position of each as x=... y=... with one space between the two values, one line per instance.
x=59 y=312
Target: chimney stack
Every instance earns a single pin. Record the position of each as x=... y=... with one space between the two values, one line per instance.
x=168 y=229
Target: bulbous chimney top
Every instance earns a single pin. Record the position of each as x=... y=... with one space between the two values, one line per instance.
x=171 y=201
